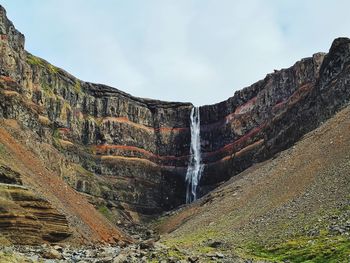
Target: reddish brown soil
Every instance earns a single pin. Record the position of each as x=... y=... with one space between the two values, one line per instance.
x=86 y=222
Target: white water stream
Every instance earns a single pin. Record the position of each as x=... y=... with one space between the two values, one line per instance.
x=195 y=168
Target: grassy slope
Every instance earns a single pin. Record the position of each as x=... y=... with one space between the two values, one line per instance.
x=280 y=209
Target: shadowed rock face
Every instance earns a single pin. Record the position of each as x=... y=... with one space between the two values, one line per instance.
x=138 y=148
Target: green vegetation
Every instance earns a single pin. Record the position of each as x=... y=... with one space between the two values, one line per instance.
x=53 y=69
x=11 y=257
x=77 y=87
x=2 y=150
x=93 y=119
x=4 y=242
x=171 y=252
x=82 y=171
x=303 y=249
x=194 y=240
x=56 y=134
x=33 y=60
x=66 y=108
x=48 y=91
x=106 y=212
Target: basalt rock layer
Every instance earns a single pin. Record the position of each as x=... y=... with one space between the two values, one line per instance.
x=130 y=145
x=272 y=114
x=132 y=153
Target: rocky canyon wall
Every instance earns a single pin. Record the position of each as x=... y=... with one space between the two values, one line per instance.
x=134 y=152
x=132 y=145
x=272 y=114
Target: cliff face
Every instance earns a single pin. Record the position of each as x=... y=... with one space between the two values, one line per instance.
x=133 y=152
x=131 y=145
x=272 y=114
x=258 y=121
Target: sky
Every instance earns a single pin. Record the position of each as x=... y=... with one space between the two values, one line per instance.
x=198 y=51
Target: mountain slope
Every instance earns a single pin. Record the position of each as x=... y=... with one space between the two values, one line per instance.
x=18 y=154
x=295 y=206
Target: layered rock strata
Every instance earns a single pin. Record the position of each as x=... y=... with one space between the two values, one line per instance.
x=272 y=114
x=26 y=218
x=139 y=148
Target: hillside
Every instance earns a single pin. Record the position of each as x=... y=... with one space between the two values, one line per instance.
x=294 y=207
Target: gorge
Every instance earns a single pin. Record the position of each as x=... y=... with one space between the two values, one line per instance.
x=87 y=160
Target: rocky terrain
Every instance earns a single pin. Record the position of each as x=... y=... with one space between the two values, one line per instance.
x=88 y=166
x=292 y=208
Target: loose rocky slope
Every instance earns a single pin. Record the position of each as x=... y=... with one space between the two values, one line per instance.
x=292 y=208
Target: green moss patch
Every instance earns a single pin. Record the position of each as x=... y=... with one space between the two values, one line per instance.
x=53 y=69
x=77 y=87
x=10 y=257
x=195 y=241
x=303 y=249
x=2 y=150
x=106 y=212
x=33 y=60
x=36 y=61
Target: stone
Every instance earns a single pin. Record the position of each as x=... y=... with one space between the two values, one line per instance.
x=58 y=248
x=215 y=244
x=104 y=260
x=52 y=254
x=193 y=259
x=121 y=259
x=149 y=233
x=147 y=244
x=121 y=243
x=110 y=252
x=91 y=253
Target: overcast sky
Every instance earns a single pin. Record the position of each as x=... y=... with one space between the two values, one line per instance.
x=179 y=50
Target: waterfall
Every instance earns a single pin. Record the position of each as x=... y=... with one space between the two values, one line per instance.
x=195 y=168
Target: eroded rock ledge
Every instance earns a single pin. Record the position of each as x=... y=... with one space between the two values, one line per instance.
x=26 y=218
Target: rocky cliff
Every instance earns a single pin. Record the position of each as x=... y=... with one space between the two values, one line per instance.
x=272 y=114
x=131 y=154
x=132 y=146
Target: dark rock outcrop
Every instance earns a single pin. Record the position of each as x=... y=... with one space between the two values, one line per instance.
x=137 y=149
